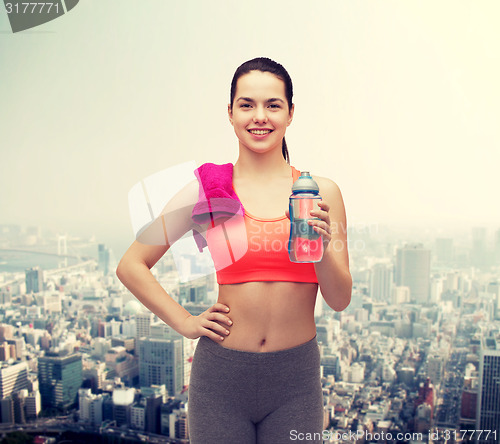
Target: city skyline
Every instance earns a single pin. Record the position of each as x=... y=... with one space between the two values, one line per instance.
x=398 y=361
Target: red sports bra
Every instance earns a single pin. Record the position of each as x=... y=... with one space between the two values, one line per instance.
x=248 y=248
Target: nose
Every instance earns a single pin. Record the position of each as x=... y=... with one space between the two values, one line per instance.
x=260 y=115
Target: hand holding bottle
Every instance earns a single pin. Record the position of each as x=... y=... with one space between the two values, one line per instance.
x=305 y=243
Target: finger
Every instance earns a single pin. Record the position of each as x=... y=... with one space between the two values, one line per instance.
x=287 y=213
x=323 y=232
x=320 y=226
x=219 y=307
x=215 y=327
x=222 y=318
x=212 y=335
x=323 y=215
x=323 y=205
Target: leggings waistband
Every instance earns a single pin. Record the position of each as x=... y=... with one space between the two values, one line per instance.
x=299 y=351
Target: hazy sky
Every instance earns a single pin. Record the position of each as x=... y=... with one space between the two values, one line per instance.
x=396 y=101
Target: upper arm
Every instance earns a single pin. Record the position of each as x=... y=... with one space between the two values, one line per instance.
x=330 y=193
x=173 y=222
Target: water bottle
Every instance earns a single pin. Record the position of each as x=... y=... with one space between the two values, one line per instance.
x=305 y=244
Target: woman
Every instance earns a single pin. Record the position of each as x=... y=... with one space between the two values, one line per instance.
x=255 y=373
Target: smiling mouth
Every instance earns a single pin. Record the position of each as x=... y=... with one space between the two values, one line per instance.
x=260 y=132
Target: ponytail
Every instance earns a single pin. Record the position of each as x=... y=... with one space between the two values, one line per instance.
x=284 y=150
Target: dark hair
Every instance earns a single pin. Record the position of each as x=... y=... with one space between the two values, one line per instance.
x=266 y=65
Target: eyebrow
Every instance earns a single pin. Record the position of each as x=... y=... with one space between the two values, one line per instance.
x=273 y=99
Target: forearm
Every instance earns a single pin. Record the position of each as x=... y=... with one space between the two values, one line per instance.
x=137 y=277
x=334 y=280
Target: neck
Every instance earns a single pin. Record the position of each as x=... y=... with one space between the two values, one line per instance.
x=251 y=164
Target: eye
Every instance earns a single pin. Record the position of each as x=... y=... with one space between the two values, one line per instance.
x=245 y=105
x=274 y=106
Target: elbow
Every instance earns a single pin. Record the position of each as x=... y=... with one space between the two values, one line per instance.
x=340 y=298
x=340 y=304
x=121 y=270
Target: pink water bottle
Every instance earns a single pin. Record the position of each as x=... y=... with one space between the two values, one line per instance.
x=305 y=244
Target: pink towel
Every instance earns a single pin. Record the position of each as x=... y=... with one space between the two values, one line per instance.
x=217 y=200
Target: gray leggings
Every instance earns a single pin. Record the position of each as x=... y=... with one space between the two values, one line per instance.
x=247 y=398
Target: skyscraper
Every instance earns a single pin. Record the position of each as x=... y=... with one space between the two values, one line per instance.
x=34 y=280
x=488 y=402
x=60 y=377
x=161 y=362
x=13 y=378
x=193 y=292
x=381 y=282
x=103 y=259
x=413 y=270
x=143 y=323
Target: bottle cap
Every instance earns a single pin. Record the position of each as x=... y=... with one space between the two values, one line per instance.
x=305 y=183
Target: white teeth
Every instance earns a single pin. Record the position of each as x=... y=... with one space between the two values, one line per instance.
x=260 y=132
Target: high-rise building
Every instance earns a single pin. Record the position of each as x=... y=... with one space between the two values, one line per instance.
x=153 y=418
x=50 y=301
x=193 y=292
x=90 y=407
x=381 y=282
x=7 y=410
x=181 y=425
x=5 y=296
x=166 y=410
x=161 y=362
x=138 y=416
x=33 y=404
x=17 y=346
x=34 y=280
x=143 y=323
x=494 y=288
x=400 y=295
x=103 y=258
x=20 y=406
x=60 y=377
x=331 y=365
x=413 y=270
x=13 y=378
x=488 y=402
x=6 y=332
x=324 y=331
x=435 y=368
x=4 y=351
x=123 y=399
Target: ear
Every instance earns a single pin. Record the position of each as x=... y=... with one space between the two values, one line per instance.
x=290 y=115
x=230 y=113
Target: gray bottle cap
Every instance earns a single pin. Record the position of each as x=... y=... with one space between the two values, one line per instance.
x=305 y=183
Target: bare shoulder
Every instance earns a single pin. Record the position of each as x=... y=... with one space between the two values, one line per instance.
x=330 y=193
x=328 y=189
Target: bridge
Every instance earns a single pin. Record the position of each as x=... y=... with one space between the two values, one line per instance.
x=45 y=253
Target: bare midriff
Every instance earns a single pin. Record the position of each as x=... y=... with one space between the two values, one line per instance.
x=269 y=316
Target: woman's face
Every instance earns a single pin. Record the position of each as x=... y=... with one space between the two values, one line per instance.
x=260 y=113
